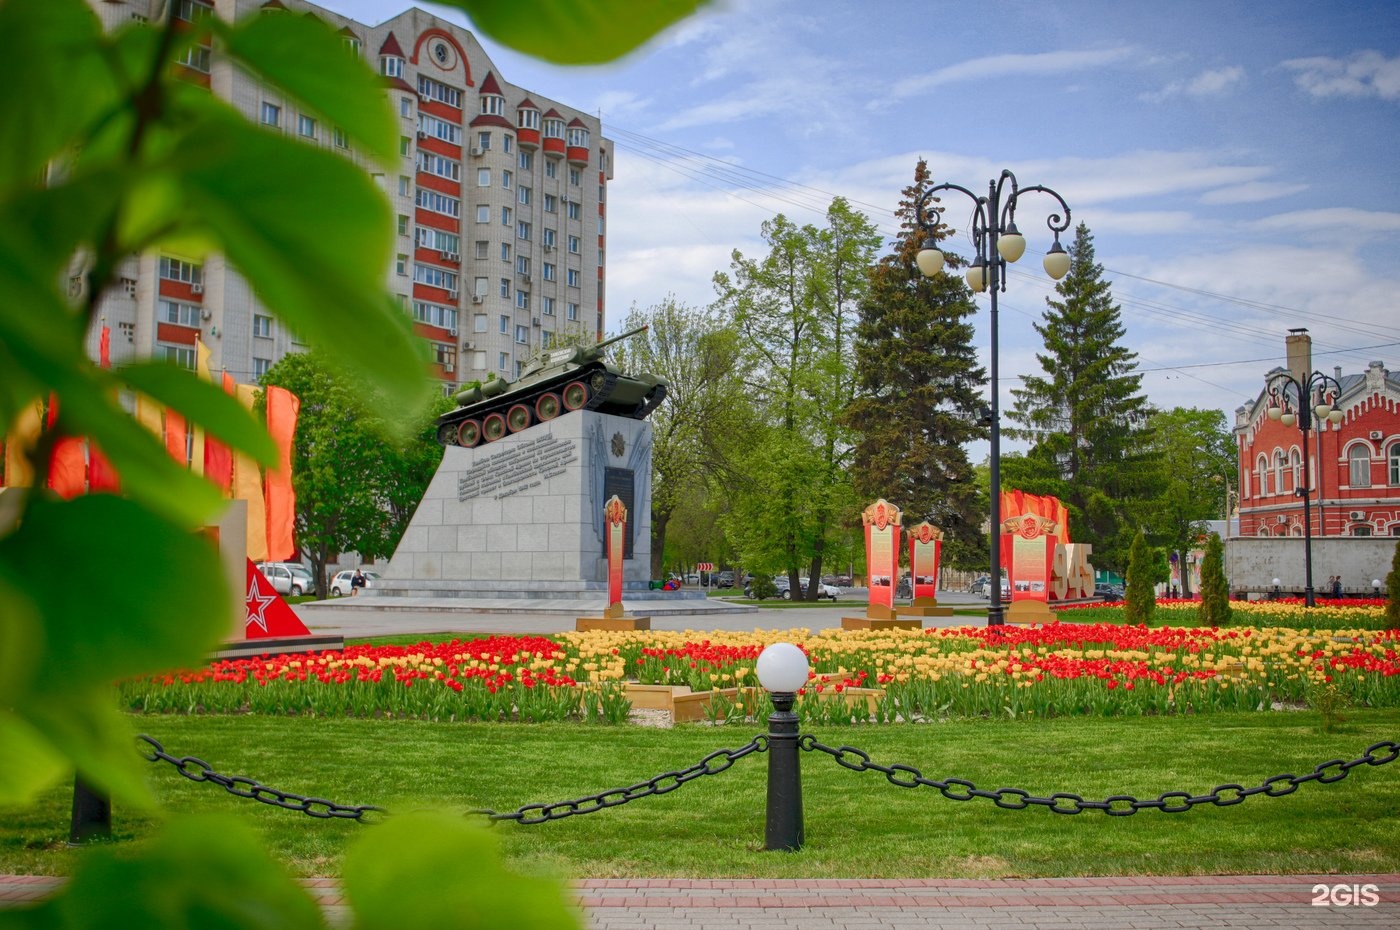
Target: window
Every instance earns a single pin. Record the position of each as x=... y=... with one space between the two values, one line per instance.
x=575 y=211
x=483 y=141
x=522 y=265
x=480 y=291
x=483 y=214
x=481 y=246
x=172 y=311
x=483 y=177
x=551 y=203
x=505 y=323
x=546 y=338
x=506 y=179
x=549 y=237
x=578 y=138
x=574 y=177
x=405 y=185
x=549 y=170
x=522 y=230
x=503 y=361
x=1361 y=529
x=440 y=129
x=506 y=216
x=506 y=143
x=192 y=11
x=573 y=277
x=479 y=323
x=1261 y=468
x=553 y=127
x=505 y=252
x=172 y=269
x=260 y=366
x=440 y=165
x=493 y=104
x=438 y=240
x=549 y=269
x=406 y=107
x=505 y=289
x=401 y=264
x=527 y=160
x=435 y=314
x=271 y=114
x=523 y=195
x=1359 y=458
x=438 y=203
x=572 y=311
x=1295 y=465
x=306 y=126
x=403 y=224
x=522 y=299
x=527 y=119
x=180 y=355
x=262 y=325
x=196 y=57
x=433 y=276
x=1393 y=460
x=547 y=306
x=442 y=93
x=444 y=353
x=522 y=335
x=1279 y=486
x=338 y=138
x=573 y=244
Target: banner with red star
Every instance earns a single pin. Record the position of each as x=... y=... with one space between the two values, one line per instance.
x=269 y=617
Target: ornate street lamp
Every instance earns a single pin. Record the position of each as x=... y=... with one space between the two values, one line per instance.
x=782 y=669
x=1292 y=400
x=996 y=241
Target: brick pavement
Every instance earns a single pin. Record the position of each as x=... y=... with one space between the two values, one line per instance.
x=1239 y=902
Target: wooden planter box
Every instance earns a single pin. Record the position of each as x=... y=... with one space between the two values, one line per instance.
x=686 y=705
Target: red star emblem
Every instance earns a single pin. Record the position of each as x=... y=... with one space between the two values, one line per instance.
x=257 y=603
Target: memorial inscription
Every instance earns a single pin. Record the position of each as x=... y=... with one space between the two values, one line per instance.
x=517 y=469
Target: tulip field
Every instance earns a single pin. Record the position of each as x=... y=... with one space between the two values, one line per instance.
x=1093 y=667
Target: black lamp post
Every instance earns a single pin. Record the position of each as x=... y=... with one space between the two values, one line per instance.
x=995 y=241
x=782 y=670
x=1297 y=400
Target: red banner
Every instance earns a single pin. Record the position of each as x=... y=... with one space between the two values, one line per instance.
x=925 y=551
x=268 y=616
x=615 y=523
x=881 y=521
x=282 y=409
x=1028 y=549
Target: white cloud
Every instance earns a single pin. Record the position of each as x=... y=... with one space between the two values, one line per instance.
x=1348 y=220
x=1041 y=63
x=1212 y=83
x=1362 y=74
x=1252 y=192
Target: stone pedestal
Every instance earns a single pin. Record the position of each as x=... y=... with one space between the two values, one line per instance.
x=924 y=607
x=879 y=617
x=523 y=516
x=1028 y=612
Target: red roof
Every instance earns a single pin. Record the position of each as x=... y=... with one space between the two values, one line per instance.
x=578 y=122
x=553 y=114
x=491 y=119
x=391 y=47
x=527 y=104
x=489 y=86
x=273 y=5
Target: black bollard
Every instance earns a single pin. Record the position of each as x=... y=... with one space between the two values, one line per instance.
x=784 y=827
x=92 y=814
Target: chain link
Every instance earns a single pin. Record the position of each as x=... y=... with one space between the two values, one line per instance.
x=1119 y=805
x=198 y=770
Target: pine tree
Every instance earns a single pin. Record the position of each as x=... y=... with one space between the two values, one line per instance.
x=919 y=388
x=1086 y=415
x=1215 y=607
x=1139 y=599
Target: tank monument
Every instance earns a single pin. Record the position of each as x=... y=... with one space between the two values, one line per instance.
x=516 y=508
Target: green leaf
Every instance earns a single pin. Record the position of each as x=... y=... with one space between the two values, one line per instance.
x=199 y=872
x=575 y=32
x=202 y=403
x=52 y=50
x=313 y=234
x=121 y=590
x=84 y=727
x=403 y=861
x=305 y=59
x=29 y=763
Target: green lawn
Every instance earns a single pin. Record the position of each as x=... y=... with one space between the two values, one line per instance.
x=858 y=825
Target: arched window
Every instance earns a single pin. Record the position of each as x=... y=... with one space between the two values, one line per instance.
x=1359 y=457
x=1392 y=458
x=1263 y=529
x=1262 y=469
x=1296 y=530
x=1279 y=463
x=1295 y=464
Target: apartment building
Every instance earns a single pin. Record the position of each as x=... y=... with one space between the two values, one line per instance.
x=499 y=198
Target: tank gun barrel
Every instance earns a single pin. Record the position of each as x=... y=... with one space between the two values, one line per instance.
x=627 y=335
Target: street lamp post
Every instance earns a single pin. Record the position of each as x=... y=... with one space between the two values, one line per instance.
x=996 y=241
x=1308 y=394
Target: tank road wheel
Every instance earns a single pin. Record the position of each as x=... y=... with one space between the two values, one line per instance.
x=596 y=382
x=547 y=407
x=493 y=427
x=469 y=433
x=518 y=418
x=575 y=395
x=447 y=434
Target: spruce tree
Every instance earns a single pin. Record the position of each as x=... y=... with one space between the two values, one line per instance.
x=1392 y=591
x=1086 y=415
x=1215 y=607
x=919 y=390
x=1139 y=600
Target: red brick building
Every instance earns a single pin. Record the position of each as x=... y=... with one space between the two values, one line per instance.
x=1354 y=464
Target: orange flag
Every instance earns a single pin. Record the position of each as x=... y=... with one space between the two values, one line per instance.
x=218 y=459
x=247 y=486
x=67 y=464
x=282 y=409
x=176 y=440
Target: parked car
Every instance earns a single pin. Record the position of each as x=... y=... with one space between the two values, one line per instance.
x=823 y=590
x=289 y=578
x=1108 y=592
x=726 y=580
x=340 y=584
x=983 y=588
x=778 y=587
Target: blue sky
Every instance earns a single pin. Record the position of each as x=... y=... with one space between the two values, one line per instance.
x=1237 y=164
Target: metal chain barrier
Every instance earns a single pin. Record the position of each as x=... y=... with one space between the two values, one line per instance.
x=1119 y=805
x=198 y=770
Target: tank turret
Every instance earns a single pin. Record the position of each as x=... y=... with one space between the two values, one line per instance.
x=553 y=383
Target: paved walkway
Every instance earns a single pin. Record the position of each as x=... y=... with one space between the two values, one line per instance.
x=1243 y=902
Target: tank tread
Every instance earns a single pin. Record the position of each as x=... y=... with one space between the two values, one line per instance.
x=651 y=403
x=599 y=397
